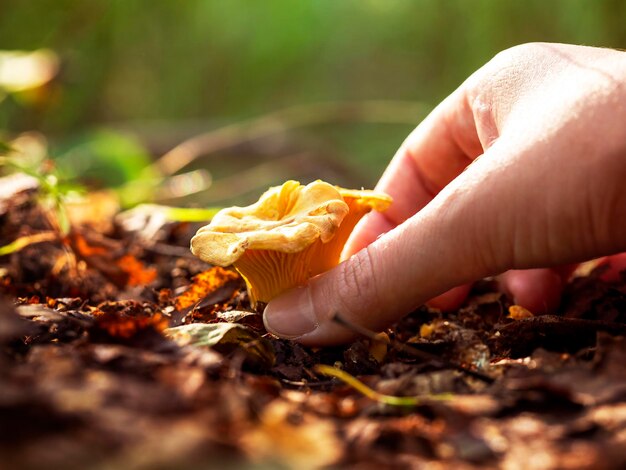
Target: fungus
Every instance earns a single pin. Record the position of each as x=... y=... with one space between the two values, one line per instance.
x=292 y=233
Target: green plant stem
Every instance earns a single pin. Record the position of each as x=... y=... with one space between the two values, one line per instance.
x=373 y=394
x=28 y=240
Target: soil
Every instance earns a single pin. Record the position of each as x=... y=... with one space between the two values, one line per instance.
x=91 y=375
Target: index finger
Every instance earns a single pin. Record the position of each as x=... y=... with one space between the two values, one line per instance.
x=435 y=153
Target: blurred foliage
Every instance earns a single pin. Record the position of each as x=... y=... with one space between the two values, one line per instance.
x=163 y=71
x=103 y=157
x=27 y=156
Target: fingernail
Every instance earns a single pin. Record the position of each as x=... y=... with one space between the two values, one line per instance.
x=291 y=315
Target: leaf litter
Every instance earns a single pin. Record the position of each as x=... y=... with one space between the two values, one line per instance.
x=119 y=351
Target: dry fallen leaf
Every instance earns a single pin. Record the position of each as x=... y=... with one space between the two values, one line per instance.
x=15 y=188
x=517 y=312
x=426 y=330
x=126 y=270
x=95 y=209
x=204 y=284
x=378 y=348
x=296 y=440
x=117 y=325
x=138 y=274
x=225 y=338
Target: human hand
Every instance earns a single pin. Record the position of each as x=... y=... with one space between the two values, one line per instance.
x=523 y=166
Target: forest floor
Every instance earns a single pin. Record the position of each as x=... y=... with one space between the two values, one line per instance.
x=98 y=370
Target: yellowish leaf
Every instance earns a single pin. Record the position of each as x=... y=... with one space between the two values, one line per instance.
x=304 y=443
x=517 y=312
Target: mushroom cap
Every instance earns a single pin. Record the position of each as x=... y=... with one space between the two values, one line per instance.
x=286 y=219
x=366 y=199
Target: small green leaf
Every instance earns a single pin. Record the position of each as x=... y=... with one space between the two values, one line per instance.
x=108 y=157
x=225 y=338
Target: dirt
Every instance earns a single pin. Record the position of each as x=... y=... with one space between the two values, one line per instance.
x=98 y=370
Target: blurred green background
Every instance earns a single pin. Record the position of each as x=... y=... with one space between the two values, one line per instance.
x=137 y=78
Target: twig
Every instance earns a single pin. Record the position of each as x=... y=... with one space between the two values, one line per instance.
x=305 y=383
x=394 y=112
x=253 y=178
x=170 y=250
x=412 y=351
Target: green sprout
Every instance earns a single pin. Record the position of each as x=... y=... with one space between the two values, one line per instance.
x=53 y=189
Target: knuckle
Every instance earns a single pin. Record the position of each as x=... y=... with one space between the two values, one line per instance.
x=495 y=86
x=513 y=54
x=505 y=63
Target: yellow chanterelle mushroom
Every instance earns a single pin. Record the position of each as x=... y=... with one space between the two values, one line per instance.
x=292 y=233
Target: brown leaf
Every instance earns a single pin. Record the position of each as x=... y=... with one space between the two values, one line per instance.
x=292 y=438
x=517 y=312
x=95 y=209
x=138 y=274
x=225 y=338
x=205 y=284
x=12 y=326
x=125 y=270
x=85 y=249
x=124 y=321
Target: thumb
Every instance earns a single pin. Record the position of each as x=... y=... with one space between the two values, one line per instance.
x=379 y=284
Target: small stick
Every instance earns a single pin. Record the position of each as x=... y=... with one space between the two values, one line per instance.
x=304 y=383
x=413 y=351
x=170 y=250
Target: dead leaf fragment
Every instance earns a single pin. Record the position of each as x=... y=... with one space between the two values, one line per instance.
x=517 y=312
x=138 y=274
x=99 y=253
x=95 y=209
x=378 y=347
x=235 y=316
x=125 y=321
x=205 y=284
x=225 y=338
x=293 y=439
x=12 y=187
x=426 y=330
x=12 y=326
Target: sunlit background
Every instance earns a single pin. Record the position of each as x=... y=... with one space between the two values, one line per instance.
x=235 y=95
